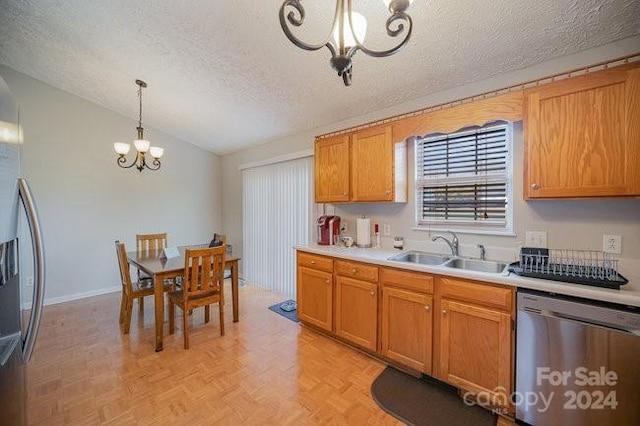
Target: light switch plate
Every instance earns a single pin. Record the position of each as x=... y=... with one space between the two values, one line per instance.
x=536 y=239
x=612 y=244
x=386 y=229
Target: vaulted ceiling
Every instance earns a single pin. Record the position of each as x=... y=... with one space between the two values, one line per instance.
x=222 y=74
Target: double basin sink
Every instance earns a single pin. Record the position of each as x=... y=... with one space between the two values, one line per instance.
x=423 y=258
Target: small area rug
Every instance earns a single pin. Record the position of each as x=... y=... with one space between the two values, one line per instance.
x=422 y=403
x=292 y=315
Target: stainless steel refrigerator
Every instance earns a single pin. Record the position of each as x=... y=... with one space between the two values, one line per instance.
x=18 y=326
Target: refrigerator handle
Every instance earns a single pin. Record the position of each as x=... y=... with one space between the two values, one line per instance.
x=39 y=270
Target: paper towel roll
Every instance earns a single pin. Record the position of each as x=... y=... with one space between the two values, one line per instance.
x=363 y=232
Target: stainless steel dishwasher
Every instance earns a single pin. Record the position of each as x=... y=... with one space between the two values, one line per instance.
x=577 y=361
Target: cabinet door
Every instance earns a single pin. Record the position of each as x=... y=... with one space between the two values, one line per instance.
x=407 y=327
x=475 y=349
x=332 y=169
x=582 y=136
x=357 y=311
x=372 y=165
x=315 y=295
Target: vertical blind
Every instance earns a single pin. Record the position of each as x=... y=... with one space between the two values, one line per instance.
x=277 y=200
x=464 y=177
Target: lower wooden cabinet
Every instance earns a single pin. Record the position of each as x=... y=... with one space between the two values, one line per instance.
x=457 y=330
x=315 y=297
x=407 y=326
x=357 y=311
x=475 y=349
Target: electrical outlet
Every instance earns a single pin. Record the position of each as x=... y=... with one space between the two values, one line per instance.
x=612 y=244
x=386 y=230
x=536 y=239
x=345 y=226
x=29 y=282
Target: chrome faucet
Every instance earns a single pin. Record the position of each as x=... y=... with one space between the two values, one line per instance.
x=453 y=243
x=482 y=251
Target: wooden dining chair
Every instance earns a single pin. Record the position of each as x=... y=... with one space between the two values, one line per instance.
x=217 y=238
x=131 y=290
x=202 y=285
x=149 y=245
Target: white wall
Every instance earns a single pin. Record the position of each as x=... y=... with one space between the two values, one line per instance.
x=577 y=224
x=86 y=201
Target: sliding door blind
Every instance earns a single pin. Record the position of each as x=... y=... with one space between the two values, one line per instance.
x=277 y=215
x=463 y=178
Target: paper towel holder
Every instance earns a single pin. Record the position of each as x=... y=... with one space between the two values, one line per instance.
x=363 y=234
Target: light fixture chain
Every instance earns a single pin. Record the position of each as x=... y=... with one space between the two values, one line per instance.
x=140 y=111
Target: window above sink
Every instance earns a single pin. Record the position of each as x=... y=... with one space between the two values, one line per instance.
x=463 y=180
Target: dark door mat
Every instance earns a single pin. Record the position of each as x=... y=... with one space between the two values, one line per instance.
x=290 y=314
x=422 y=403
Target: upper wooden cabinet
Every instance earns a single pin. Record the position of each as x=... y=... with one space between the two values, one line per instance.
x=372 y=165
x=582 y=136
x=365 y=165
x=332 y=162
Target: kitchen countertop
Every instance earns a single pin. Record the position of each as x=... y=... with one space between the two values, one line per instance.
x=629 y=294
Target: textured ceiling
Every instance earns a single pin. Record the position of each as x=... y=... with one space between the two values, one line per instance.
x=223 y=76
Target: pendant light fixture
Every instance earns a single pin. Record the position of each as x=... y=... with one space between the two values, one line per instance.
x=348 y=32
x=141 y=144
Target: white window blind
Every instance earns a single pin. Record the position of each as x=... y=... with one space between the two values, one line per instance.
x=278 y=202
x=463 y=179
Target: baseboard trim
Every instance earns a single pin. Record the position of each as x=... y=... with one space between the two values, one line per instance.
x=84 y=295
x=76 y=296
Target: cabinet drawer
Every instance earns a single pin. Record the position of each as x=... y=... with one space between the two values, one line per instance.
x=481 y=294
x=316 y=262
x=357 y=270
x=415 y=281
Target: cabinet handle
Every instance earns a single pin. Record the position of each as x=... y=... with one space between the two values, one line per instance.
x=388 y=192
x=373 y=293
x=327 y=281
x=313 y=262
x=427 y=307
x=355 y=271
x=344 y=193
x=444 y=311
x=535 y=186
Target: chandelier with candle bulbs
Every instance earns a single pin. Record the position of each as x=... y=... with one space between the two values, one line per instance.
x=348 y=32
x=141 y=144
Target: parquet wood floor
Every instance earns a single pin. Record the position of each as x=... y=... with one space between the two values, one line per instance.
x=265 y=370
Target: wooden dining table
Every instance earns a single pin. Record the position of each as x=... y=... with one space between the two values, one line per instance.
x=161 y=269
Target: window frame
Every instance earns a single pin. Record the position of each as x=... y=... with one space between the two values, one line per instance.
x=461 y=226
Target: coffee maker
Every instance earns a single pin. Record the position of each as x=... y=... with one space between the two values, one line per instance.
x=328 y=226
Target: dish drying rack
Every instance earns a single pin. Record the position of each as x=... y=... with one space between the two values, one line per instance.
x=588 y=267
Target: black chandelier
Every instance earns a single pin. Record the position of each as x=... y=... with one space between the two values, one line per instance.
x=348 y=38
x=142 y=145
